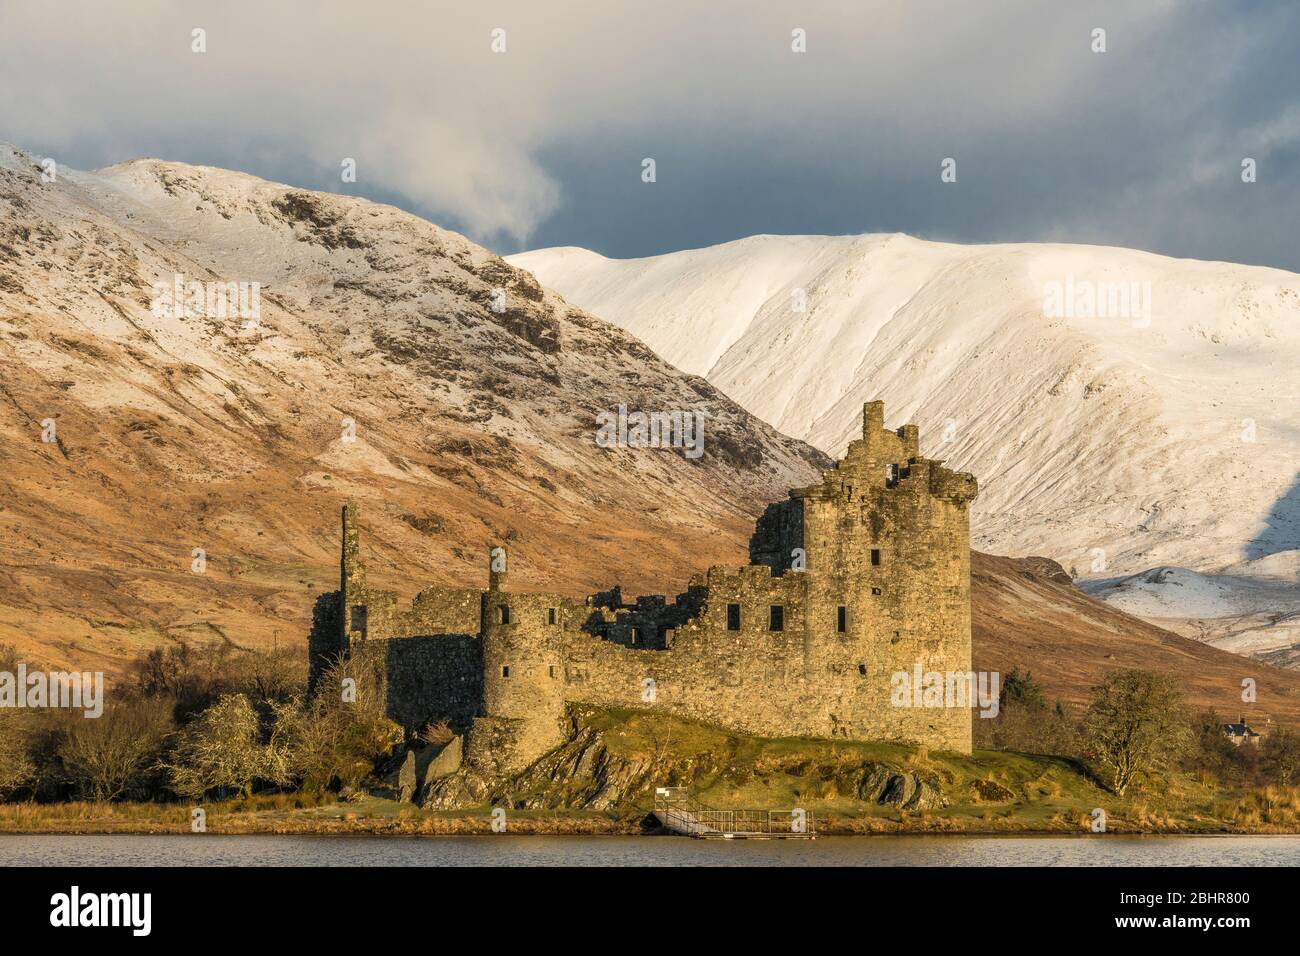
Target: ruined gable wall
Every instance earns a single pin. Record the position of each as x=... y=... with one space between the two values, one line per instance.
x=430 y=651
x=432 y=655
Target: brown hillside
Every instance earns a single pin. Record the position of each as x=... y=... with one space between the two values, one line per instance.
x=472 y=394
x=1026 y=613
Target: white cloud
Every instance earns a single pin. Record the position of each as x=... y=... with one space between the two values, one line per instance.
x=440 y=124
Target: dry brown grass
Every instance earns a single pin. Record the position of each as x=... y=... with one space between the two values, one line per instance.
x=283 y=817
x=1267 y=809
x=437 y=733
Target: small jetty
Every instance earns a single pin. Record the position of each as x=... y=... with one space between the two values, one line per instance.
x=678 y=813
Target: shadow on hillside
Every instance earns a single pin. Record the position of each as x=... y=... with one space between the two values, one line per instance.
x=1283 y=530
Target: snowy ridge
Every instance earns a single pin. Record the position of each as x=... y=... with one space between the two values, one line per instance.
x=1167 y=435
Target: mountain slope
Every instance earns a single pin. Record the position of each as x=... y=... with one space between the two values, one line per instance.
x=176 y=431
x=1026 y=613
x=471 y=427
x=1167 y=435
x=1257 y=616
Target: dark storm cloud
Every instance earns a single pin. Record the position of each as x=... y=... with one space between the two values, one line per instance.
x=542 y=145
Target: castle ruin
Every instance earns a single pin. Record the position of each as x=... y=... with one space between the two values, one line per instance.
x=853 y=580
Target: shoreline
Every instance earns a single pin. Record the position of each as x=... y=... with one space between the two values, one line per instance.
x=175 y=822
x=524 y=832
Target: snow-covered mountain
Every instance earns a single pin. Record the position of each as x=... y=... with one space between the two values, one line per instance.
x=1256 y=616
x=391 y=362
x=384 y=367
x=1121 y=410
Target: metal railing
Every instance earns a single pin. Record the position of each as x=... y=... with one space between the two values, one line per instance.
x=678 y=812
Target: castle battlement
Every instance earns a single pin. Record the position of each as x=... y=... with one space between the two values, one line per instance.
x=851 y=580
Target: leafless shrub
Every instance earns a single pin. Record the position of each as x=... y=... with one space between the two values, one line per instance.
x=338 y=736
x=222 y=750
x=439 y=733
x=113 y=756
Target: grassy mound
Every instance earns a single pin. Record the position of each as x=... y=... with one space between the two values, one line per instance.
x=617 y=757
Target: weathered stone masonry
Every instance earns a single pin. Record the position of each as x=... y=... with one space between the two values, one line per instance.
x=854 y=579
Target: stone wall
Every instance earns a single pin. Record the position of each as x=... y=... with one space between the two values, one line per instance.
x=432 y=679
x=870 y=571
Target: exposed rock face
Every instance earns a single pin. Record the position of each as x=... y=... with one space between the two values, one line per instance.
x=406 y=778
x=910 y=791
x=584 y=774
x=433 y=763
x=579 y=774
x=399 y=783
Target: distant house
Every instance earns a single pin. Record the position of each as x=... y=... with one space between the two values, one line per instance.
x=1240 y=731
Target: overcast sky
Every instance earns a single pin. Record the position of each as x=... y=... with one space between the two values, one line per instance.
x=543 y=144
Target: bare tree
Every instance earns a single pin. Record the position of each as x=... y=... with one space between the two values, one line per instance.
x=343 y=731
x=17 y=768
x=109 y=756
x=1135 y=726
x=1282 y=755
x=196 y=675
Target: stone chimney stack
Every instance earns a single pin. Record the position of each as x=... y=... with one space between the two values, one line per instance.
x=498 y=569
x=352 y=573
x=911 y=436
x=873 y=419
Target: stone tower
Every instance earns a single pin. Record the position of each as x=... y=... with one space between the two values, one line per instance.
x=523 y=679
x=885 y=538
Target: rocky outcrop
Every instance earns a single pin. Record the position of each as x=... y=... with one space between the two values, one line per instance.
x=410 y=775
x=399 y=783
x=435 y=762
x=579 y=774
x=587 y=773
x=912 y=791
